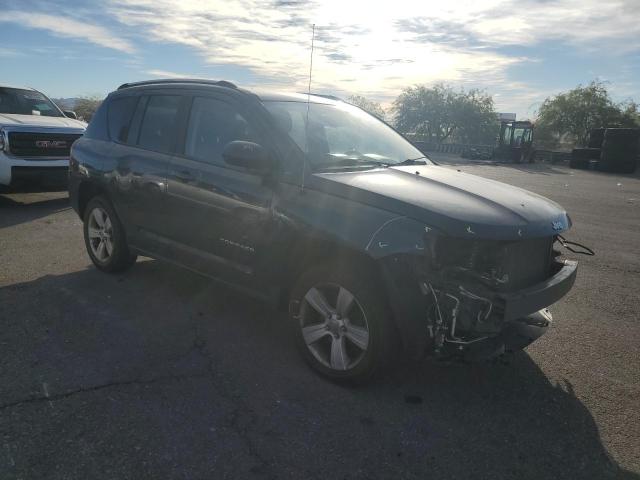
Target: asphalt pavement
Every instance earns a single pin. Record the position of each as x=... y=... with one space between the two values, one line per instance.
x=159 y=373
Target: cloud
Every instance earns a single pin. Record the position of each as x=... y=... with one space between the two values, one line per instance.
x=8 y=52
x=377 y=49
x=583 y=24
x=68 y=27
x=364 y=47
x=360 y=46
x=169 y=74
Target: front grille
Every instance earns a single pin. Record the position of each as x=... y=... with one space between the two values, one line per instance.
x=28 y=144
x=528 y=262
x=517 y=264
x=35 y=179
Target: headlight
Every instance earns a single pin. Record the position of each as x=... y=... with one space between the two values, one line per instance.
x=2 y=140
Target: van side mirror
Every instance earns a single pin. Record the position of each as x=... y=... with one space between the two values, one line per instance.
x=70 y=114
x=252 y=156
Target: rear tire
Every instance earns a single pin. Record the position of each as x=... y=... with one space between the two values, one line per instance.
x=105 y=237
x=342 y=323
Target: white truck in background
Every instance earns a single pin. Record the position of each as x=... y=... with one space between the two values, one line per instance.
x=35 y=141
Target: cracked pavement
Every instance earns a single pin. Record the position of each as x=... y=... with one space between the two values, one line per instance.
x=160 y=373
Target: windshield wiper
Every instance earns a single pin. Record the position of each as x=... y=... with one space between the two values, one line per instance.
x=360 y=161
x=412 y=161
x=365 y=162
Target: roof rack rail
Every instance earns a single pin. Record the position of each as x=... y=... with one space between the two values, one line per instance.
x=220 y=83
x=329 y=97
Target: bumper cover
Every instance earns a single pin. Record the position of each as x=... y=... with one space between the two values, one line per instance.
x=523 y=302
x=515 y=336
x=32 y=174
x=36 y=179
x=526 y=317
x=519 y=310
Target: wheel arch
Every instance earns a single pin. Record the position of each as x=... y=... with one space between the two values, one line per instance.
x=313 y=252
x=86 y=191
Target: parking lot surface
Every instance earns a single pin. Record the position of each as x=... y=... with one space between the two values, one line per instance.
x=160 y=373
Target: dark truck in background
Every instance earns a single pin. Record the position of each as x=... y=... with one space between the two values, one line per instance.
x=317 y=206
x=614 y=150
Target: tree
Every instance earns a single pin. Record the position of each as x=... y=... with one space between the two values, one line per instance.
x=85 y=107
x=577 y=111
x=441 y=113
x=374 y=108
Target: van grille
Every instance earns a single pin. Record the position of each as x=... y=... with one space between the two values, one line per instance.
x=28 y=144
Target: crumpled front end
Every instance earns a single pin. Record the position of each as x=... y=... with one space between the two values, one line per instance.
x=475 y=297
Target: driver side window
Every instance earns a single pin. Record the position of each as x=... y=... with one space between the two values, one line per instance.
x=212 y=125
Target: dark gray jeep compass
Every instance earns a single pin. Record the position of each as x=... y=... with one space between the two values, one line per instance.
x=315 y=205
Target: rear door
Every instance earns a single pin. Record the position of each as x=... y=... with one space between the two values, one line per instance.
x=143 y=153
x=219 y=214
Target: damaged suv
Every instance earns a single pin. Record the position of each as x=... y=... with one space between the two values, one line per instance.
x=317 y=206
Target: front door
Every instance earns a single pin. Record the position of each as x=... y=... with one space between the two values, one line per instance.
x=219 y=213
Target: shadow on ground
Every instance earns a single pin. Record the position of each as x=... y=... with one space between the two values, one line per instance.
x=28 y=208
x=159 y=373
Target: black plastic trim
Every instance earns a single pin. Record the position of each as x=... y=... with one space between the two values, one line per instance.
x=524 y=302
x=220 y=83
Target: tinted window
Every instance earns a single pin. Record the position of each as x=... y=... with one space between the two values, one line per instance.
x=97 y=128
x=159 y=126
x=120 y=113
x=134 y=128
x=213 y=124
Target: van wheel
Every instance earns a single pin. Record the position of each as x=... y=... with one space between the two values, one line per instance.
x=105 y=238
x=341 y=322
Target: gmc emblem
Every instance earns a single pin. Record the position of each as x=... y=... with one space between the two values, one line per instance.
x=51 y=143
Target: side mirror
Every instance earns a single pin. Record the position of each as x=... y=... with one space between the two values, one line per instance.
x=70 y=114
x=252 y=156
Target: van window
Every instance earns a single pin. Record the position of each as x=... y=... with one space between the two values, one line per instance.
x=159 y=125
x=119 y=117
x=212 y=125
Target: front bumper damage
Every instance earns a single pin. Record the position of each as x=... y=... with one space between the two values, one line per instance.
x=516 y=335
x=455 y=314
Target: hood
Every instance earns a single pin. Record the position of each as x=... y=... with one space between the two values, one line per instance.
x=10 y=119
x=458 y=204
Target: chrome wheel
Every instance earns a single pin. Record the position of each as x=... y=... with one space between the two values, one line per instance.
x=334 y=326
x=100 y=233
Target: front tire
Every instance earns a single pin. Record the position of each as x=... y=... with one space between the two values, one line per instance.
x=105 y=237
x=342 y=323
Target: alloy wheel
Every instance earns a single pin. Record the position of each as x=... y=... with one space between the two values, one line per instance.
x=100 y=232
x=334 y=326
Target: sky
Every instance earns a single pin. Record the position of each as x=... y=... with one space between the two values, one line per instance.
x=520 y=52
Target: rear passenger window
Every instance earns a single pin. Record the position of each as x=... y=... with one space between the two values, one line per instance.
x=98 y=126
x=159 y=125
x=213 y=124
x=119 y=115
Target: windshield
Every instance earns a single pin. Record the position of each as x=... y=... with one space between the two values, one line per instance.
x=26 y=102
x=341 y=135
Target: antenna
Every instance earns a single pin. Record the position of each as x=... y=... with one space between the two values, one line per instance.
x=306 y=124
